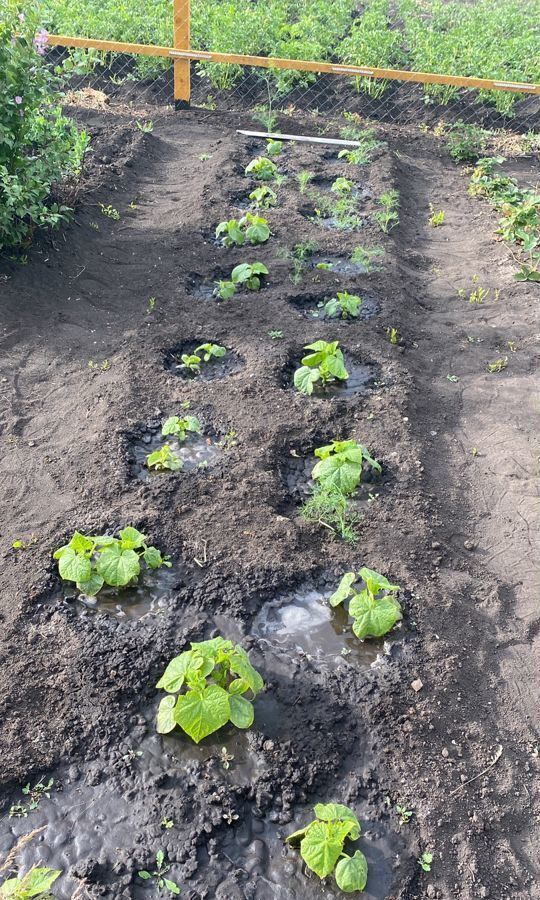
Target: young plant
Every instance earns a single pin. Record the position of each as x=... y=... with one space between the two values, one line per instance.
x=299 y=256
x=161 y=869
x=180 y=428
x=303 y=179
x=146 y=127
x=342 y=186
x=253 y=229
x=437 y=217
x=340 y=465
x=365 y=256
x=495 y=367
x=263 y=197
x=94 y=561
x=205 y=688
x=244 y=275
x=36 y=883
x=425 y=861
x=109 y=212
x=329 y=507
x=262 y=169
x=374 y=609
x=387 y=217
x=35 y=795
x=344 y=306
x=274 y=148
x=466 y=142
x=325 y=364
x=362 y=154
x=322 y=846
x=164 y=459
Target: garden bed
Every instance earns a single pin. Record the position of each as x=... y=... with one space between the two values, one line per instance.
x=89 y=365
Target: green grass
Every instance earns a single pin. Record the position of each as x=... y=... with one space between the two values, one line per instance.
x=488 y=38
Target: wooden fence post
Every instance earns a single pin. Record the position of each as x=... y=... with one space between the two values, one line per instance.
x=182 y=38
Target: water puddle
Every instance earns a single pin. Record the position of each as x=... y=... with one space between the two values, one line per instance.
x=198 y=451
x=313 y=308
x=150 y=596
x=341 y=265
x=302 y=621
x=215 y=368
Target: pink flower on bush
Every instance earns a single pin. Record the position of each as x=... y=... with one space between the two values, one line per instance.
x=18 y=100
x=40 y=41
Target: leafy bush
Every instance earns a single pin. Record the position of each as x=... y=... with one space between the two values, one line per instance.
x=324 y=364
x=39 y=147
x=94 y=561
x=322 y=843
x=374 y=612
x=215 y=675
x=340 y=465
x=466 y=143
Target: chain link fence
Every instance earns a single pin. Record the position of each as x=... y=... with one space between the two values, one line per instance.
x=488 y=39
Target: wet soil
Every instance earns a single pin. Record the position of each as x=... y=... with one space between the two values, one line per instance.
x=459 y=531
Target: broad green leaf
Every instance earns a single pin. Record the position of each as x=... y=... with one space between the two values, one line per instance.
x=305 y=378
x=165 y=716
x=352 y=872
x=312 y=360
x=242 y=712
x=240 y=665
x=330 y=811
x=373 y=618
x=258 y=233
x=174 y=675
x=375 y=582
x=336 y=366
x=321 y=848
x=153 y=558
x=81 y=543
x=74 y=566
x=200 y=713
x=37 y=881
x=144 y=875
x=344 y=589
x=241 y=273
x=238 y=686
x=192 y=423
x=171 y=426
x=91 y=587
x=171 y=886
x=131 y=538
x=324 y=346
x=258 y=268
x=337 y=473
x=160 y=858
x=211 y=647
x=118 y=566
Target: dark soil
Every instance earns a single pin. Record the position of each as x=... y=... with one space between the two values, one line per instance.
x=458 y=530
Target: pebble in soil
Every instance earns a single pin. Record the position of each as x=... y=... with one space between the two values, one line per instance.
x=312 y=307
x=215 y=368
x=197 y=451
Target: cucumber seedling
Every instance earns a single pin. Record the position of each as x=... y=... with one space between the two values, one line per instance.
x=181 y=427
x=342 y=186
x=164 y=458
x=343 y=306
x=263 y=197
x=262 y=169
x=325 y=364
x=250 y=228
x=204 y=353
x=374 y=608
x=322 y=844
x=92 y=561
x=159 y=873
x=244 y=275
x=365 y=256
x=205 y=688
x=274 y=148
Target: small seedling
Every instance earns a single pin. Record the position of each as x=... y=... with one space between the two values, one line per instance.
x=215 y=674
x=250 y=228
x=35 y=795
x=274 y=148
x=228 y=441
x=342 y=186
x=325 y=364
x=437 y=216
x=330 y=508
x=478 y=293
x=167 y=823
x=393 y=334
x=37 y=883
x=164 y=459
x=225 y=758
x=161 y=869
x=365 y=256
x=24 y=545
x=103 y=366
x=512 y=346
x=405 y=815
x=263 y=197
x=340 y=465
x=303 y=179
x=94 y=561
x=181 y=427
x=146 y=127
x=425 y=861
x=262 y=169
x=388 y=217
x=276 y=335
x=322 y=846
x=495 y=367
x=205 y=353
x=204 y=157
x=94 y=225
x=453 y=378
x=109 y=211
x=374 y=609
x=247 y=275
x=150 y=305
x=343 y=306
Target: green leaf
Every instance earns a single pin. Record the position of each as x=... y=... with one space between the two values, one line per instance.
x=174 y=675
x=241 y=273
x=242 y=712
x=118 y=567
x=153 y=558
x=352 y=872
x=321 y=848
x=131 y=538
x=376 y=582
x=91 y=587
x=344 y=589
x=337 y=473
x=200 y=713
x=165 y=716
x=81 y=543
x=330 y=811
x=160 y=858
x=35 y=883
x=240 y=665
x=258 y=268
x=373 y=618
x=238 y=686
x=171 y=886
x=305 y=378
x=73 y=566
x=144 y=875
x=336 y=366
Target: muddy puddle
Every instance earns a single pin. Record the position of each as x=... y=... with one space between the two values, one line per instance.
x=341 y=265
x=198 y=451
x=151 y=596
x=215 y=368
x=313 y=308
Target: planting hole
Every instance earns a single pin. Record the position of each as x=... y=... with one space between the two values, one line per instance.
x=215 y=367
x=197 y=451
x=361 y=379
x=313 y=307
x=149 y=596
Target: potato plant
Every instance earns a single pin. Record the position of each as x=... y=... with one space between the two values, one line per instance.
x=92 y=561
x=244 y=275
x=250 y=228
x=322 y=844
x=325 y=364
x=374 y=609
x=206 y=687
x=262 y=169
